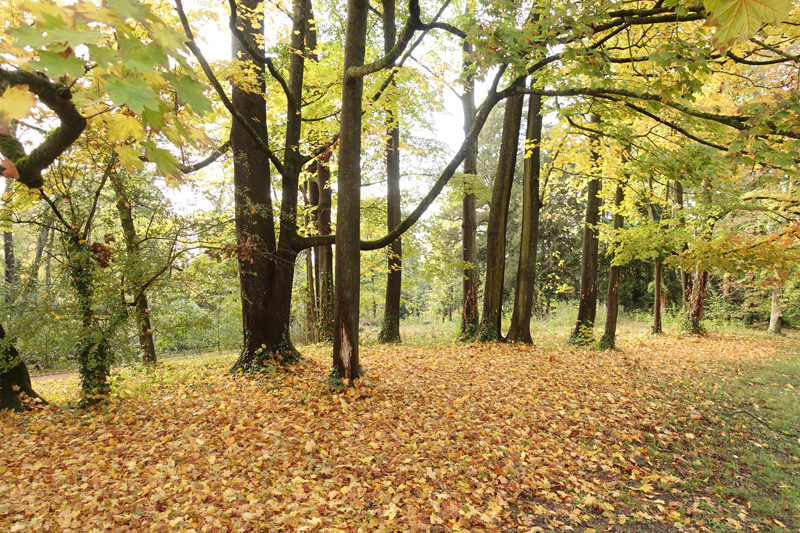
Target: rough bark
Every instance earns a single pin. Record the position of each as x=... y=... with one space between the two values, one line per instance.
x=696 y=305
x=775 y=311
x=520 y=330
x=390 y=330
x=469 y=220
x=348 y=214
x=609 y=338
x=587 y=308
x=657 y=284
x=13 y=375
x=498 y=218
x=141 y=311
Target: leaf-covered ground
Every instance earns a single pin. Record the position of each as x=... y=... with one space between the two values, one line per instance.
x=447 y=438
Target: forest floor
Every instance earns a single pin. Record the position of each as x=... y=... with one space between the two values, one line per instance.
x=669 y=433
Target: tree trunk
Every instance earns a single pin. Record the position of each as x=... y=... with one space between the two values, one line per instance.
x=348 y=214
x=325 y=252
x=686 y=280
x=657 y=271
x=696 y=306
x=609 y=339
x=469 y=222
x=587 y=308
x=13 y=373
x=776 y=312
x=520 y=330
x=498 y=218
x=141 y=311
x=390 y=330
x=266 y=267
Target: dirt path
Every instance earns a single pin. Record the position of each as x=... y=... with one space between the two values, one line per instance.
x=47 y=377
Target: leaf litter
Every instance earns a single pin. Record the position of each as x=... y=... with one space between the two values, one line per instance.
x=466 y=437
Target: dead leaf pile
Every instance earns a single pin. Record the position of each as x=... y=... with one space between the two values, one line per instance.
x=480 y=437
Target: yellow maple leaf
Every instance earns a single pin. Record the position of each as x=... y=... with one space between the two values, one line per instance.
x=124 y=128
x=15 y=103
x=738 y=20
x=129 y=157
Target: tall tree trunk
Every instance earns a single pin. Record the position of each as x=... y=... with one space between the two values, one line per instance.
x=587 y=308
x=10 y=261
x=469 y=220
x=348 y=214
x=13 y=373
x=699 y=284
x=498 y=218
x=311 y=195
x=141 y=311
x=390 y=330
x=776 y=312
x=657 y=284
x=526 y=273
x=686 y=279
x=609 y=339
x=325 y=252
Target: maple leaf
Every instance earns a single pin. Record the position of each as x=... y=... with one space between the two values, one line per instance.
x=738 y=20
x=15 y=103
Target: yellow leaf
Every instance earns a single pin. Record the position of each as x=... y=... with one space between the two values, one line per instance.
x=310 y=445
x=646 y=488
x=124 y=128
x=15 y=104
x=129 y=158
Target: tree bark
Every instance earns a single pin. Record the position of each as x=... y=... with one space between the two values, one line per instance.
x=469 y=220
x=348 y=214
x=13 y=373
x=696 y=307
x=776 y=312
x=498 y=218
x=686 y=279
x=390 y=330
x=587 y=308
x=520 y=330
x=609 y=339
x=657 y=284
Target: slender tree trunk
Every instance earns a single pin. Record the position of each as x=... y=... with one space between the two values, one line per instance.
x=697 y=300
x=609 y=339
x=686 y=279
x=13 y=373
x=348 y=214
x=390 y=330
x=325 y=252
x=498 y=218
x=141 y=311
x=520 y=330
x=587 y=307
x=10 y=261
x=776 y=312
x=657 y=283
x=469 y=220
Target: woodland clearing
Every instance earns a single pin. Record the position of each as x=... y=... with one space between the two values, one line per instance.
x=668 y=433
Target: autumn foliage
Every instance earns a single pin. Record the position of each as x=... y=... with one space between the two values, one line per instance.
x=467 y=437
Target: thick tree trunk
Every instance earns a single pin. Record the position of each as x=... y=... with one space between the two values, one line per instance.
x=390 y=330
x=266 y=267
x=609 y=339
x=776 y=312
x=13 y=375
x=348 y=214
x=469 y=220
x=141 y=311
x=587 y=308
x=498 y=218
x=696 y=305
x=520 y=330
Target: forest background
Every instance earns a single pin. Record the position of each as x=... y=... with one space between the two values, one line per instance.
x=618 y=160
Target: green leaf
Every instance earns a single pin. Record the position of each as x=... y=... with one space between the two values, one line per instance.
x=57 y=65
x=191 y=92
x=165 y=162
x=133 y=92
x=738 y=20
